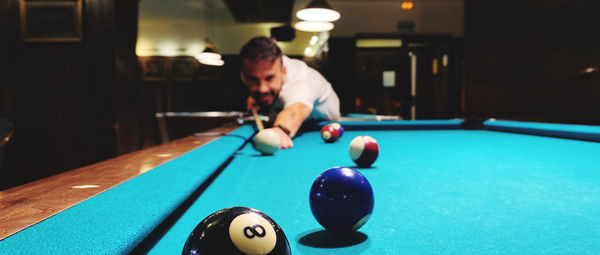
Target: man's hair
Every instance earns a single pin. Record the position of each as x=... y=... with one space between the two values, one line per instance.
x=261 y=48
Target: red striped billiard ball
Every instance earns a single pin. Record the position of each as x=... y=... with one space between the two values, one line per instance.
x=339 y=128
x=329 y=133
x=364 y=150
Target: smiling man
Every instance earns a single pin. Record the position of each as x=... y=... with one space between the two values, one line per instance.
x=287 y=86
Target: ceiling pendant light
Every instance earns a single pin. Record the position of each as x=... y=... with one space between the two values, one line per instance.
x=318 y=10
x=314 y=26
x=212 y=62
x=210 y=56
x=210 y=52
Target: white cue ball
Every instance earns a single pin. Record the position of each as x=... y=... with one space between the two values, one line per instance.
x=266 y=141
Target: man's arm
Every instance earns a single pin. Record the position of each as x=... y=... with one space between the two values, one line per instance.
x=291 y=117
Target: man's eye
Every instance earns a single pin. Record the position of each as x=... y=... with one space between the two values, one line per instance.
x=269 y=78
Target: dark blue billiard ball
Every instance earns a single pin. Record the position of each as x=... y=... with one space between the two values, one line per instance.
x=237 y=230
x=341 y=199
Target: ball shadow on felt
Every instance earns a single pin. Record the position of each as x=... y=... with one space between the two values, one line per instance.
x=328 y=239
x=260 y=155
x=358 y=167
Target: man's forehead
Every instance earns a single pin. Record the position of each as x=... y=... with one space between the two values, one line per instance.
x=260 y=64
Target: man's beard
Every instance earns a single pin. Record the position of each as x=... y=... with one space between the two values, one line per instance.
x=258 y=98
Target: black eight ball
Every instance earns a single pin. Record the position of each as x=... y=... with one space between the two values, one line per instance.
x=237 y=230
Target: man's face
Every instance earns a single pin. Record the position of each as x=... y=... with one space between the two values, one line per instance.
x=263 y=79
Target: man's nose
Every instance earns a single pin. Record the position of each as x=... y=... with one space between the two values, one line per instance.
x=263 y=87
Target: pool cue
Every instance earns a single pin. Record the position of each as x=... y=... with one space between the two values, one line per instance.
x=258 y=121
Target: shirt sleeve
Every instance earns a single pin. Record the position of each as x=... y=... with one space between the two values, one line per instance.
x=299 y=92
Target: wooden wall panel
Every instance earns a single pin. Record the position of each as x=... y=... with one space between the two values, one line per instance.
x=127 y=92
x=524 y=60
x=62 y=95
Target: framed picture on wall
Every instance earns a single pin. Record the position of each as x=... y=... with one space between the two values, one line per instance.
x=182 y=69
x=155 y=69
x=51 y=20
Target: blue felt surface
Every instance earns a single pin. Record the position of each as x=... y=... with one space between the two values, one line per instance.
x=360 y=115
x=583 y=132
x=436 y=192
x=114 y=221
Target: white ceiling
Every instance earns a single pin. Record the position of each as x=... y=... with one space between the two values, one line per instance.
x=180 y=27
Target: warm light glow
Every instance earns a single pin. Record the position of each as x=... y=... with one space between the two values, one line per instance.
x=318 y=14
x=144 y=52
x=84 y=186
x=194 y=48
x=313 y=26
x=313 y=40
x=146 y=166
x=168 y=48
x=144 y=48
x=164 y=155
x=307 y=51
x=378 y=43
x=168 y=52
x=407 y=5
x=208 y=55
x=212 y=62
x=590 y=70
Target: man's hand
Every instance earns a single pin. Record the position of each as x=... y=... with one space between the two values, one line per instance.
x=290 y=117
x=251 y=104
x=285 y=142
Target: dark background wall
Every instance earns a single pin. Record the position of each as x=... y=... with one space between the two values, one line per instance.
x=198 y=88
x=70 y=101
x=77 y=103
x=356 y=74
x=524 y=60
x=224 y=93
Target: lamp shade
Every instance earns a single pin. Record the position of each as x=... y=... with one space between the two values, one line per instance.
x=210 y=56
x=318 y=10
x=212 y=62
x=313 y=26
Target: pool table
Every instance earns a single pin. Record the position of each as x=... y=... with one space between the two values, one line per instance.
x=440 y=187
